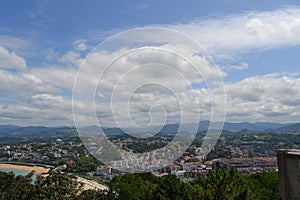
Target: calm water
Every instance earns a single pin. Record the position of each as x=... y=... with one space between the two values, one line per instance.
x=18 y=172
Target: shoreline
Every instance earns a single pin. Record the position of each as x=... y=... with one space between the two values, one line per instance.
x=38 y=169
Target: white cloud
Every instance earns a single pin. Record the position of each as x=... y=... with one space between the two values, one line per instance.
x=71 y=58
x=58 y=77
x=20 y=86
x=80 y=45
x=273 y=97
x=148 y=83
x=223 y=36
x=240 y=67
x=27 y=100
x=35 y=114
x=47 y=98
x=10 y=60
x=155 y=79
x=16 y=44
x=50 y=54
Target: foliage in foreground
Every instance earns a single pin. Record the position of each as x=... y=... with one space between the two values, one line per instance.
x=219 y=185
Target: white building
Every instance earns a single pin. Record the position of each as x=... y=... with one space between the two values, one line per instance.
x=102 y=170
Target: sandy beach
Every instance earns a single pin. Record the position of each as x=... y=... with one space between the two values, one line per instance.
x=88 y=184
x=37 y=169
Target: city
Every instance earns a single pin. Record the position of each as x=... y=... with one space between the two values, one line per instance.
x=248 y=153
x=158 y=100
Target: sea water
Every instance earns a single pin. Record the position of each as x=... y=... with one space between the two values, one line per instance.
x=18 y=172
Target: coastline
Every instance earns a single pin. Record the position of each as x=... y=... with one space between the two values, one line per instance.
x=43 y=171
x=37 y=169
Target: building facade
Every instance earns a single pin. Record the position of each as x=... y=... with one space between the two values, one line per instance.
x=289 y=174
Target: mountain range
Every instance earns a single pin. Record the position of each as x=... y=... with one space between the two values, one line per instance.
x=239 y=128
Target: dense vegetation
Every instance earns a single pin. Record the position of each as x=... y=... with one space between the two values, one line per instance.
x=83 y=165
x=219 y=185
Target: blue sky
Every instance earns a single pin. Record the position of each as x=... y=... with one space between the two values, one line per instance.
x=56 y=25
x=254 y=44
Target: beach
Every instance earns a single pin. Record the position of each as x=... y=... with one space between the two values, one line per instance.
x=37 y=169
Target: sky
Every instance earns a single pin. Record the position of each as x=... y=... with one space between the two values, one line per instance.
x=249 y=58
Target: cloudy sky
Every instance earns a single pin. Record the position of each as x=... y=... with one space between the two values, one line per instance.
x=251 y=62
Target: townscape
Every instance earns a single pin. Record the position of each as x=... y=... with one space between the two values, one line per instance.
x=138 y=100
x=248 y=153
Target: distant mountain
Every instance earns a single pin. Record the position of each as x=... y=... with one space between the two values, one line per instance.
x=289 y=128
x=8 y=128
x=239 y=128
x=245 y=131
x=229 y=126
x=257 y=126
x=270 y=126
x=9 y=133
x=170 y=128
x=29 y=130
x=106 y=130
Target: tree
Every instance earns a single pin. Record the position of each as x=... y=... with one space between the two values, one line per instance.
x=57 y=186
x=96 y=194
x=84 y=164
x=265 y=185
x=134 y=186
x=16 y=187
x=219 y=184
x=170 y=187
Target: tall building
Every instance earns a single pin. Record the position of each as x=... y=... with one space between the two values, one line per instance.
x=289 y=174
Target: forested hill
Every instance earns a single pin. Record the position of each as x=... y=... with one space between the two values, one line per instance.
x=219 y=184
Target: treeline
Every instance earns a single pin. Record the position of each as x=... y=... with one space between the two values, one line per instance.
x=218 y=185
x=83 y=165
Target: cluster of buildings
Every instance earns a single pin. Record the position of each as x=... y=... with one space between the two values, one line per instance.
x=184 y=171
x=39 y=152
x=148 y=161
x=245 y=165
x=190 y=170
x=191 y=164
